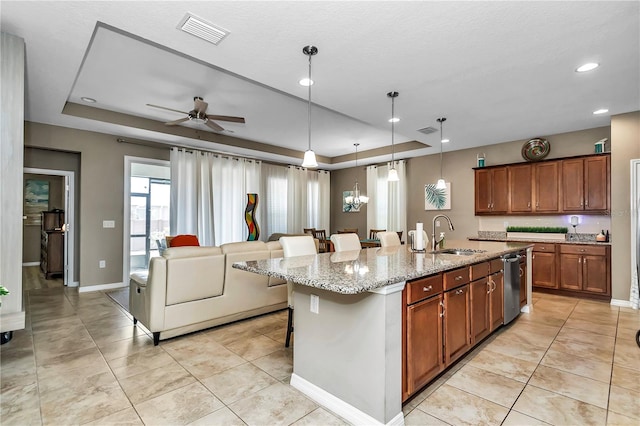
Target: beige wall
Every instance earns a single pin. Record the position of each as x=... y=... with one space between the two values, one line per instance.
x=101 y=193
x=625 y=139
x=344 y=180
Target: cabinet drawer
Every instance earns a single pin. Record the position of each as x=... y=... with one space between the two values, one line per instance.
x=455 y=278
x=423 y=288
x=479 y=270
x=495 y=265
x=583 y=249
x=544 y=247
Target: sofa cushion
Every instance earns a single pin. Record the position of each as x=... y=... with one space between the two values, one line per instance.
x=244 y=247
x=196 y=276
x=184 y=240
x=179 y=252
x=140 y=277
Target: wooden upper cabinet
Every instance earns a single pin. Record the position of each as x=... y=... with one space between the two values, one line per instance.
x=547 y=184
x=596 y=182
x=520 y=188
x=573 y=185
x=491 y=189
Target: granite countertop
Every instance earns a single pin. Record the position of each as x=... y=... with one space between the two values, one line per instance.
x=353 y=272
x=547 y=241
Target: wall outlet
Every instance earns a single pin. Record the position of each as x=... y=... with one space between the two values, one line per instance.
x=102 y=264
x=108 y=223
x=314 y=303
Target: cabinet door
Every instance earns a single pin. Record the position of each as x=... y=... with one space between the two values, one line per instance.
x=596 y=174
x=594 y=278
x=570 y=271
x=424 y=342
x=546 y=182
x=544 y=269
x=480 y=325
x=483 y=191
x=456 y=323
x=499 y=190
x=497 y=299
x=523 y=284
x=520 y=178
x=572 y=185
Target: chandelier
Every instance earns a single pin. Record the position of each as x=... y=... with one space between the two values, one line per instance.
x=356 y=200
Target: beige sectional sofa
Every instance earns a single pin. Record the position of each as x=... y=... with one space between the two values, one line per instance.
x=192 y=288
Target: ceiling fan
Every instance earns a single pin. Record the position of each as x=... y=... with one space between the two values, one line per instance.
x=199 y=115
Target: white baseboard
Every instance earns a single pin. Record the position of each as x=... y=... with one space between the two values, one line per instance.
x=12 y=321
x=100 y=287
x=338 y=406
x=74 y=284
x=621 y=303
x=31 y=264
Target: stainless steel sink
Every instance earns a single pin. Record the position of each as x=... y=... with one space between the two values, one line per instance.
x=458 y=252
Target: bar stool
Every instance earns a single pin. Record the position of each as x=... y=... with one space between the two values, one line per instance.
x=345 y=242
x=389 y=239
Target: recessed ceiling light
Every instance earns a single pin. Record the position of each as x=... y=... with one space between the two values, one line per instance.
x=305 y=82
x=88 y=100
x=587 y=67
x=601 y=111
x=444 y=140
x=394 y=120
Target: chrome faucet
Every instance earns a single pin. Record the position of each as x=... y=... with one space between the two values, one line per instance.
x=434 y=242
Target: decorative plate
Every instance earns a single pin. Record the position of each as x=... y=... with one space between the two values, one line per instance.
x=535 y=149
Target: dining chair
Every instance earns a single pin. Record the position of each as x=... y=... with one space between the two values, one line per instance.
x=389 y=239
x=345 y=242
x=374 y=232
x=308 y=230
x=321 y=236
x=295 y=246
x=349 y=231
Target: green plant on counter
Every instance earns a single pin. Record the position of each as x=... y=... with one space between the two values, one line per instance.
x=3 y=292
x=539 y=229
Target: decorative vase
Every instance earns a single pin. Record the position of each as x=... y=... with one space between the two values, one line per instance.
x=250 y=217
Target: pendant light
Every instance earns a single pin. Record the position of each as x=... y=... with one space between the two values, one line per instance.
x=393 y=173
x=355 y=201
x=309 y=156
x=441 y=184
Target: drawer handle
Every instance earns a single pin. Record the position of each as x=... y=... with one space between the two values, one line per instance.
x=488 y=287
x=459 y=291
x=582 y=250
x=427 y=288
x=458 y=278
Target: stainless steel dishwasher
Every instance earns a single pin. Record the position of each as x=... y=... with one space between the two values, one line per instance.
x=511 y=263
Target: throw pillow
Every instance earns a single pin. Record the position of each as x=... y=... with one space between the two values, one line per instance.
x=184 y=240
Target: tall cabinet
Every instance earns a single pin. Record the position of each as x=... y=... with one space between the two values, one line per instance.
x=52 y=244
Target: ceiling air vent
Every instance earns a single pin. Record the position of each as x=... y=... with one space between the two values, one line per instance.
x=428 y=130
x=202 y=29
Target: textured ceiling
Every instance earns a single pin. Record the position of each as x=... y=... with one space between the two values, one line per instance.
x=499 y=71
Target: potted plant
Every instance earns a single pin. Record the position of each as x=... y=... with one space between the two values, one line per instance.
x=5 y=336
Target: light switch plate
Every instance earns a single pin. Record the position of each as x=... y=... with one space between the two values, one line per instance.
x=108 y=223
x=314 y=303
x=102 y=264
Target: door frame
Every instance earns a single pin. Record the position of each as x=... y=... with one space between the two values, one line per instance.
x=635 y=229
x=126 y=223
x=69 y=218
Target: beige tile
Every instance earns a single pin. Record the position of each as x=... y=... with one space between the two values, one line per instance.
x=128 y=347
x=518 y=419
x=629 y=310
x=626 y=355
x=118 y=319
x=577 y=387
x=452 y=405
x=629 y=321
x=64 y=323
x=62 y=365
x=526 y=334
x=203 y=360
x=523 y=351
x=106 y=335
x=585 y=350
x=61 y=342
x=543 y=318
x=624 y=401
x=606 y=319
x=627 y=335
x=254 y=347
x=583 y=336
x=221 y=417
x=607 y=330
x=504 y=365
x=20 y=405
x=522 y=327
x=231 y=333
x=626 y=378
x=418 y=417
x=238 y=382
x=277 y=404
x=278 y=364
x=418 y=398
x=320 y=416
x=493 y=387
x=18 y=368
x=180 y=406
x=155 y=382
x=139 y=363
x=126 y=417
x=615 y=419
x=557 y=409
x=572 y=363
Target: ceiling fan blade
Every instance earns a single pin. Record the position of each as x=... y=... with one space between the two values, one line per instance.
x=165 y=108
x=200 y=105
x=174 y=122
x=226 y=118
x=214 y=126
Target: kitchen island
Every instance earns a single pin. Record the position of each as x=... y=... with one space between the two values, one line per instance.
x=349 y=321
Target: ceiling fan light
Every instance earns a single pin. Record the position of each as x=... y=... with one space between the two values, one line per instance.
x=309 y=160
x=393 y=175
x=587 y=67
x=441 y=184
x=306 y=82
x=394 y=120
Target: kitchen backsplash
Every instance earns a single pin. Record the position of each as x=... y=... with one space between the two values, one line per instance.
x=587 y=224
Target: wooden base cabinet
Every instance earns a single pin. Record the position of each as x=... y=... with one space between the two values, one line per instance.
x=456 y=323
x=585 y=268
x=496 y=280
x=480 y=314
x=543 y=264
x=523 y=281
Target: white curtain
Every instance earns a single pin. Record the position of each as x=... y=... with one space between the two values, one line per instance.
x=209 y=195
x=274 y=201
x=387 y=208
x=308 y=199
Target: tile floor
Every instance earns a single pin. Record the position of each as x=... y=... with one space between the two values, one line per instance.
x=80 y=361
